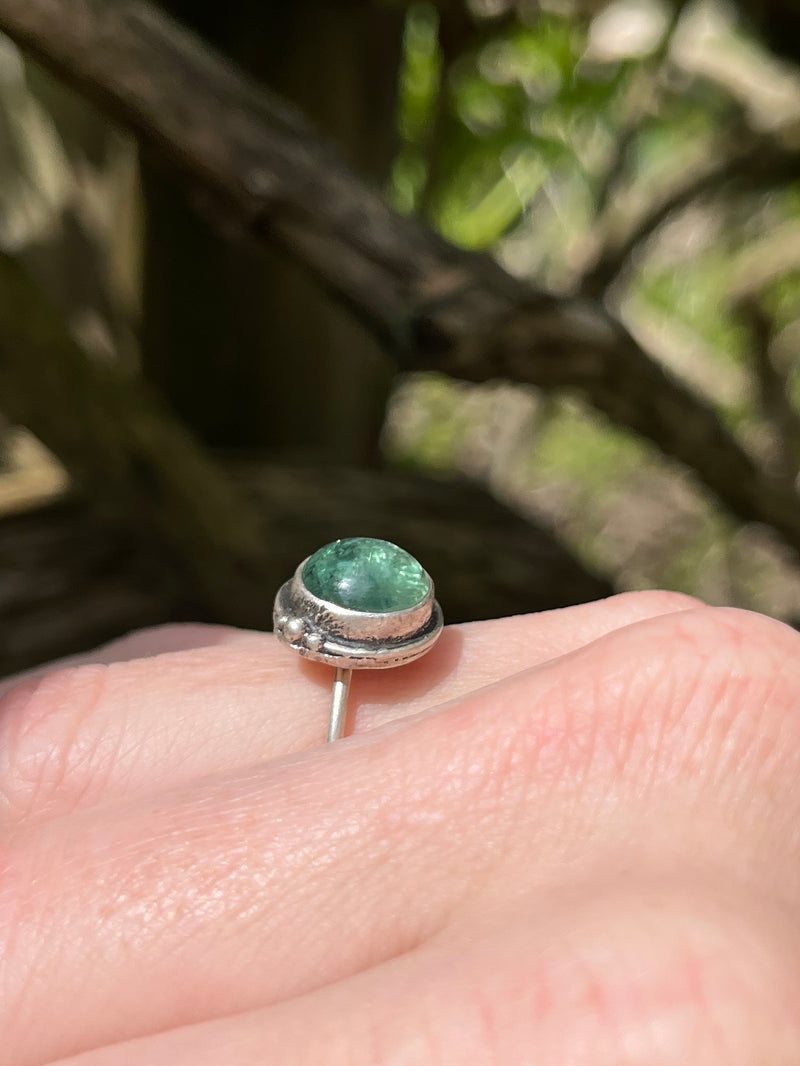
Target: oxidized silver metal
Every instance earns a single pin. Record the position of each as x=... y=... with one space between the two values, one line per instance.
x=355 y=640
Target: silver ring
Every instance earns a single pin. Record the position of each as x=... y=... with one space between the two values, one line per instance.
x=357 y=604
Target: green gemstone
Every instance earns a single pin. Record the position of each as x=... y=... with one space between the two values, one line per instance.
x=366 y=575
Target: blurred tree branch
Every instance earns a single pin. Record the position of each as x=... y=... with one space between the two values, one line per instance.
x=760 y=162
x=266 y=173
x=773 y=384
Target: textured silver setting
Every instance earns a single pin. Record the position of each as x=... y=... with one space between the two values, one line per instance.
x=355 y=640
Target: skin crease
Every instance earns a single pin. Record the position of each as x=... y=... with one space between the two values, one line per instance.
x=557 y=840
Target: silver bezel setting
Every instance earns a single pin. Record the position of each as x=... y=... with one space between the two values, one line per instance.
x=358 y=640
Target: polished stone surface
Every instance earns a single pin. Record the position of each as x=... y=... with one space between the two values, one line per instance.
x=364 y=574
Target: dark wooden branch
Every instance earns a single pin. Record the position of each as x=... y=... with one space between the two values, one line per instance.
x=124 y=450
x=258 y=164
x=69 y=581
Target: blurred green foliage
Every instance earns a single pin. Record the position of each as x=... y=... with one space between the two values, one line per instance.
x=549 y=141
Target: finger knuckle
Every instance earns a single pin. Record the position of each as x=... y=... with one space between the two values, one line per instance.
x=733 y=674
x=700 y=690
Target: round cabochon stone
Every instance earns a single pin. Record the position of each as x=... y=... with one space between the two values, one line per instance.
x=364 y=574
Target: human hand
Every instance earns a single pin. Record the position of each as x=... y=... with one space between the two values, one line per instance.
x=561 y=839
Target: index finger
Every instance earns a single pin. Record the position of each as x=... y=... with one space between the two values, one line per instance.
x=103 y=729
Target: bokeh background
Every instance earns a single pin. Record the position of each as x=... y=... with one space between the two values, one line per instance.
x=582 y=374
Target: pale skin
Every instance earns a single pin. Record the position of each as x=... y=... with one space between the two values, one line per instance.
x=562 y=839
